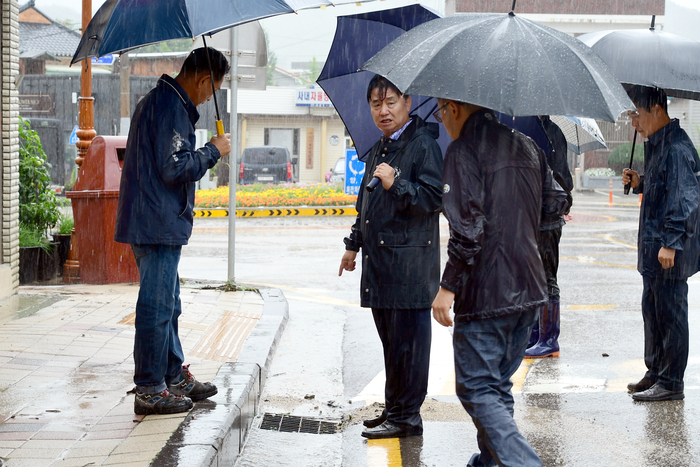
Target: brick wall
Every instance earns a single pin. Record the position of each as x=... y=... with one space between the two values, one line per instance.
x=9 y=144
x=569 y=7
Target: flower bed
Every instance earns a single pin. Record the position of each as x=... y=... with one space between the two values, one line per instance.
x=285 y=194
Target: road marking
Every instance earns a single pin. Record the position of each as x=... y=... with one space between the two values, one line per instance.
x=610 y=239
x=316 y=297
x=589 y=260
x=384 y=453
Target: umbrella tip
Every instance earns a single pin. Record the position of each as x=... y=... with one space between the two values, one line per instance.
x=512 y=9
x=653 y=20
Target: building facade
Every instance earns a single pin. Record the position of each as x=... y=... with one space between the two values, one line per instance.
x=9 y=70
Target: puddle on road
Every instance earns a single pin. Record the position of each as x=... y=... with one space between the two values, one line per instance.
x=24 y=305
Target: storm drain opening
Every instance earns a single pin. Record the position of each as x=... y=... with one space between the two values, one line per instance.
x=293 y=424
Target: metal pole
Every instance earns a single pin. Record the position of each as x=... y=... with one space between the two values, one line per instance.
x=233 y=157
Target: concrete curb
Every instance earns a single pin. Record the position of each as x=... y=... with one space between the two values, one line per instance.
x=213 y=434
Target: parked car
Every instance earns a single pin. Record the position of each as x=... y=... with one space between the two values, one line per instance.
x=338 y=171
x=266 y=164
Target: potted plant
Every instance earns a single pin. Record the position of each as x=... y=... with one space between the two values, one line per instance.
x=39 y=208
x=62 y=236
x=32 y=249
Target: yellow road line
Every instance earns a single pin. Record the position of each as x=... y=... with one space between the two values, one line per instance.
x=610 y=239
x=583 y=260
x=384 y=453
x=591 y=307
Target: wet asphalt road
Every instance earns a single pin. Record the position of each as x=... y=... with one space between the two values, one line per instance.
x=574 y=410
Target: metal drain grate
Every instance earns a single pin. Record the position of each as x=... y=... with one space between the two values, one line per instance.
x=292 y=424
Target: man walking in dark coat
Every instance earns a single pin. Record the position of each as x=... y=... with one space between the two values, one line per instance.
x=668 y=244
x=398 y=232
x=497 y=187
x=544 y=339
x=156 y=201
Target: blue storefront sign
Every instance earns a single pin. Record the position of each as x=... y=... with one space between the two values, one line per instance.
x=354 y=171
x=106 y=60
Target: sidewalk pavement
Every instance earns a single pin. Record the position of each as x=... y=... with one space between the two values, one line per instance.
x=67 y=365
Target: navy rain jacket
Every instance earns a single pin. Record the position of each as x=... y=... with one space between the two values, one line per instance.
x=161 y=166
x=669 y=214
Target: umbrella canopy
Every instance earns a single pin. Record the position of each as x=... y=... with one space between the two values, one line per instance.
x=357 y=39
x=503 y=62
x=582 y=134
x=121 y=25
x=650 y=58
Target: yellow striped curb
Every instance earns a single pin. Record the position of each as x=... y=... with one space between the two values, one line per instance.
x=279 y=212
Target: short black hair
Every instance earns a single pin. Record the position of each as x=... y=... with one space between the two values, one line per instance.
x=196 y=63
x=382 y=84
x=647 y=97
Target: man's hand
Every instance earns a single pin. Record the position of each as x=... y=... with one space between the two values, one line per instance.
x=348 y=262
x=630 y=177
x=385 y=173
x=441 y=307
x=667 y=257
x=222 y=143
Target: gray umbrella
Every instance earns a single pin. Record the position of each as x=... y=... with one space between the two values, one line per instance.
x=507 y=63
x=650 y=58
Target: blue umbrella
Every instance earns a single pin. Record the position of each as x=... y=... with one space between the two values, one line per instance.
x=122 y=25
x=357 y=38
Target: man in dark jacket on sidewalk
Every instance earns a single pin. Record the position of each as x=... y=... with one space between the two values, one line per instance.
x=544 y=339
x=398 y=232
x=497 y=187
x=156 y=200
x=668 y=244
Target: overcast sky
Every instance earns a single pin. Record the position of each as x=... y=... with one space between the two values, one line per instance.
x=309 y=34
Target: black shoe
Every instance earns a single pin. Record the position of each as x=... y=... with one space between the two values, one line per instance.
x=372 y=422
x=656 y=393
x=474 y=461
x=190 y=387
x=389 y=430
x=643 y=384
x=164 y=402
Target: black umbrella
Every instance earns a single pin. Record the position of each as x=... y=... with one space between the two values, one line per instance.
x=503 y=62
x=650 y=58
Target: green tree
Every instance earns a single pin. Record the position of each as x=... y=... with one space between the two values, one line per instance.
x=271 y=62
x=314 y=71
x=38 y=205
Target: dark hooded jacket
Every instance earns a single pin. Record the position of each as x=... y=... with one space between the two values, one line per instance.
x=497 y=188
x=156 y=193
x=669 y=214
x=398 y=229
x=559 y=163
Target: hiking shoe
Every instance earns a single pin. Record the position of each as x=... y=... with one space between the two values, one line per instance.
x=190 y=387
x=164 y=402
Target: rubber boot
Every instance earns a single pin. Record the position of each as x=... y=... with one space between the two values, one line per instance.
x=535 y=334
x=548 y=343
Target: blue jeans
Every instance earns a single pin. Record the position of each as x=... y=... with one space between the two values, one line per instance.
x=666 y=335
x=487 y=353
x=158 y=355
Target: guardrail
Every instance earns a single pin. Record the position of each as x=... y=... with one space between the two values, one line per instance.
x=279 y=211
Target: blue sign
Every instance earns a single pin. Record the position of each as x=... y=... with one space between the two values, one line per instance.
x=106 y=60
x=73 y=136
x=354 y=171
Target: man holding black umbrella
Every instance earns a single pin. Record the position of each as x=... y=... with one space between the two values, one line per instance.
x=497 y=187
x=397 y=229
x=668 y=246
x=156 y=198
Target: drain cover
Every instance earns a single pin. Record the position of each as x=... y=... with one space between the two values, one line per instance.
x=292 y=424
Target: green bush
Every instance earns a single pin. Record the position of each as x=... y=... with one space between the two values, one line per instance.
x=29 y=236
x=65 y=225
x=621 y=154
x=38 y=206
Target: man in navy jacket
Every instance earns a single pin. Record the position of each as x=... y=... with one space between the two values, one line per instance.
x=668 y=247
x=156 y=200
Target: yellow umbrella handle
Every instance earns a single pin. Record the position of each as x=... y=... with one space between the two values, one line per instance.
x=219 y=127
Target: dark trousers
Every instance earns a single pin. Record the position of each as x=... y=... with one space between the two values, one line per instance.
x=158 y=354
x=405 y=336
x=666 y=340
x=487 y=354
x=548 y=245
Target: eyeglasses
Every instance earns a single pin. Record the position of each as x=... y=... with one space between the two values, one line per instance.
x=436 y=114
x=633 y=113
